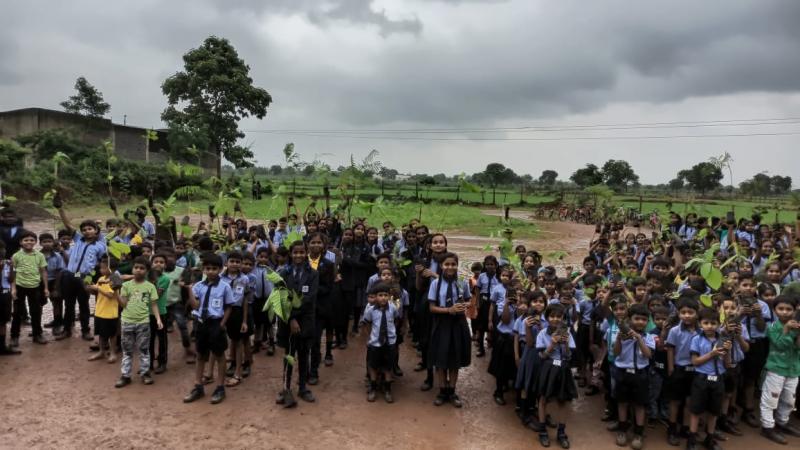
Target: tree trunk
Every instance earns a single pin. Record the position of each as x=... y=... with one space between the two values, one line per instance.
x=494 y=195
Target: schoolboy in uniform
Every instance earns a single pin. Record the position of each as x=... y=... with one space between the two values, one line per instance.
x=28 y=278
x=211 y=300
x=710 y=358
x=633 y=349
x=680 y=370
x=382 y=343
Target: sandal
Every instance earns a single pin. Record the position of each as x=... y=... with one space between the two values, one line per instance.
x=233 y=381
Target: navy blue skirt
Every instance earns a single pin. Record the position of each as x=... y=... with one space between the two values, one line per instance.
x=528 y=372
x=556 y=382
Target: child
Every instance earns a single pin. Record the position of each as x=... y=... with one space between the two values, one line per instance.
x=211 y=301
x=27 y=280
x=323 y=320
x=248 y=265
x=382 y=343
x=55 y=264
x=530 y=324
x=399 y=297
x=710 y=358
x=261 y=291
x=297 y=335
x=502 y=365
x=138 y=297
x=586 y=309
x=782 y=371
x=680 y=369
x=633 y=349
x=162 y=282
x=756 y=316
x=657 y=409
x=556 y=384
x=84 y=254
x=450 y=343
x=487 y=280
x=732 y=329
x=106 y=310
x=176 y=306
x=5 y=302
x=496 y=296
x=236 y=325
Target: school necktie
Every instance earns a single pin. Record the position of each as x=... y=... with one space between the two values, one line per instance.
x=264 y=283
x=383 y=333
x=450 y=293
x=204 y=311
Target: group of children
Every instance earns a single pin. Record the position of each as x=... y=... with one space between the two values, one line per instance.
x=693 y=327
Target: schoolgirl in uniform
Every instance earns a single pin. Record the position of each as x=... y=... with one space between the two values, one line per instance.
x=556 y=384
x=487 y=280
x=502 y=365
x=428 y=270
x=526 y=330
x=450 y=344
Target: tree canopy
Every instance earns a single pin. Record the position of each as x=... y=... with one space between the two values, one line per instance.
x=619 y=175
x=217 y=92
x=87 y=100
x=702 y=176
x=587 y=176
x=548 y=177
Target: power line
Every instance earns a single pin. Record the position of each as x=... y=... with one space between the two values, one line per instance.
x=566 y=138
x=534 y=128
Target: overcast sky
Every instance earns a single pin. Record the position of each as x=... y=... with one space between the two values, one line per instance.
x=447 y=64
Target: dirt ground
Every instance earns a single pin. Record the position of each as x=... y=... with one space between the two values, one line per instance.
x=54 y=398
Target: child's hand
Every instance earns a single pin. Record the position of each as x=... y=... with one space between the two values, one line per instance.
x=13 y=293
x=244 y=328
x=530 y=321
x=294 y=327
x=160 y=324
x=46 y=293
x=719 y=351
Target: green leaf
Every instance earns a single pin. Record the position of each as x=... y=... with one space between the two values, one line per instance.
x=714 y=278
x=706 y=301
x=274 y=277
x=292 y=238
x=110 y=178
x=705 y=270
x=118 y=249
x=701 y=234
x=186 y=230
x=289 y=360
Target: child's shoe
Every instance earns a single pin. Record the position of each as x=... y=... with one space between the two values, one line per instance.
x=710 y=443
x=788 y=428
x=122 y=382
x=544 y=437
x=773 y=435
x=561 y=436
x=441 y=397
x=218 y=396
x=637 y=442
x=328 y=360
x=371 y=392
x=455 y=400
x=147 y=378
x=14 y=342
x=160 y=369
x=195 y=394
x=96 y=356
x=307 y=396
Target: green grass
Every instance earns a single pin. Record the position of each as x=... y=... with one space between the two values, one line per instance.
x=452 y=219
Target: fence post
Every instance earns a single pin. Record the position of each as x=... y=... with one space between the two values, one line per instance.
x=640 y=203
x=416 y=190
x=458 y=193
x=522 y=194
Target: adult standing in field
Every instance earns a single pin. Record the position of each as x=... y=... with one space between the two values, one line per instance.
x=88 y=247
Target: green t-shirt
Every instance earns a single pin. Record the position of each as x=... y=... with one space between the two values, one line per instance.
x=27 y=268
x=784 y=355
x=140 y=296
x=163 y=285
x=174 y=290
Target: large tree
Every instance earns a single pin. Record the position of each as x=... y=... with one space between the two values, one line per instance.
x=215 y=91
x=618 y=174
x=87 y=100
x=494 y=175
x=548 y=177
x=587 y=176
x=781 y=185
x=702 y=176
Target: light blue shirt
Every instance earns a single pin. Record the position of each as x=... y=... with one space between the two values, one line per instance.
x=220 y=296
x=631 y=356
x=84 y=256
x=373 y=316
x=486 y=283
x=585 y=309
x=680 y=339
x=55 y=263
x=240 y=285
x=505 y=328
x=749 y=324
x=439 y=295
x=700 y=346
x=262 y=287
x=543 y=340
x=498 y=293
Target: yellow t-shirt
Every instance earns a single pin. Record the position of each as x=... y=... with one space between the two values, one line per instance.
x=106 y=306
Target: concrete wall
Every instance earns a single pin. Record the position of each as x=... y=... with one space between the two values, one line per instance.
x=129 y=142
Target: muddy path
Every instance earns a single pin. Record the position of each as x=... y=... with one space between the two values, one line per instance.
x=54 y=398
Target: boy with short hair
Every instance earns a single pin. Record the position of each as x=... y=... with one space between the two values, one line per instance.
x=710 y=357
x=633 y=349
x=106 y=311
x=28 y=278
x=55 y=264
x=159 y=263
x=138 y=298
x=781 y=372
x=211 y=300
x=680 y=369
x=382 y=343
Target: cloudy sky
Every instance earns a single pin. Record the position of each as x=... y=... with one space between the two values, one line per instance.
x=576 y=73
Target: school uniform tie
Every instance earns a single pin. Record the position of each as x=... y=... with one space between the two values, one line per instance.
x=204 y=311
x=450 y=293
x=383 y=333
